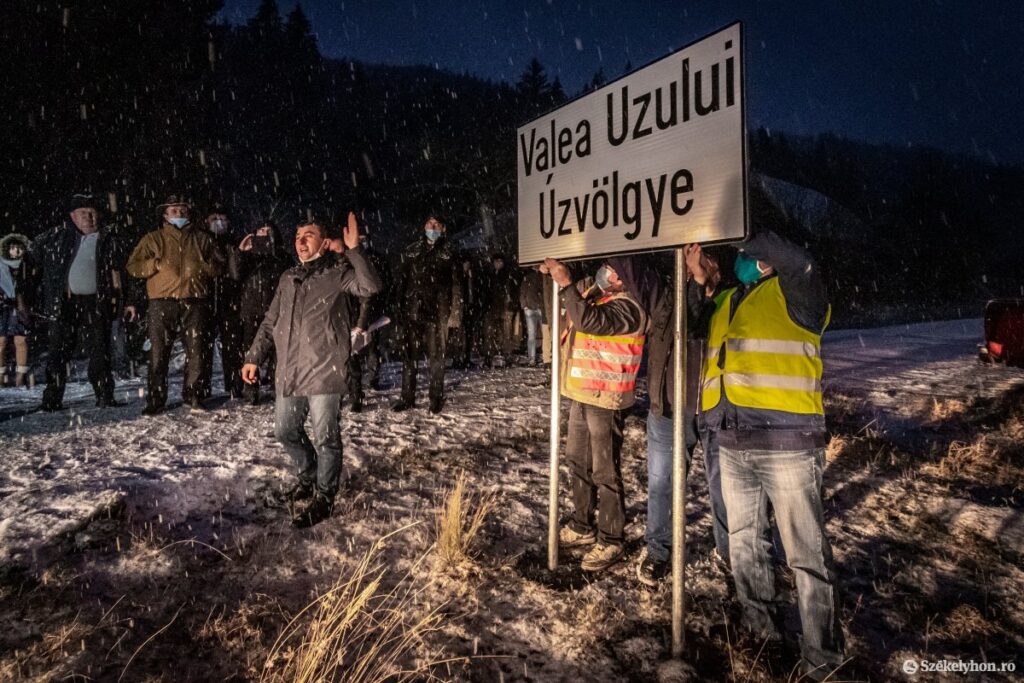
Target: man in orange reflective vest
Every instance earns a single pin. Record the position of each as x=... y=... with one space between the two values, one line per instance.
x=602 y=347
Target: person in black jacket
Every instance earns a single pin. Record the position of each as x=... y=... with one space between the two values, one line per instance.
x=260 y=272
x=500 y=313
x=366 y=311
x=705 y=277
x=467 y=335
x=225 y=304
x=428 y=288
x=80 y=266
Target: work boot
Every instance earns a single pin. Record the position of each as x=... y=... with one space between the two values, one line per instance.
x=318 y=510
x=152 y=409
x=50 y=406
x=651 y=571
x=196 y=405
x=357 y=405
x=289 y=496
x=601 y=556
x=402 y=404
x=570 y=538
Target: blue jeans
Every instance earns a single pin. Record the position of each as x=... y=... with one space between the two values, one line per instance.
x=532 y=316
x=791 y=481
x=317 y=455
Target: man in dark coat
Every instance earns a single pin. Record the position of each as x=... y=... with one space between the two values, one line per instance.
x=308 y=324
x=366 y=311
x=79 y=264
x=261 y=270
x=429 y=304
x=225 y=305
x=500 y=315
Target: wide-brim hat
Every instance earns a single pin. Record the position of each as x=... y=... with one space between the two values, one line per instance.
x=174 y=200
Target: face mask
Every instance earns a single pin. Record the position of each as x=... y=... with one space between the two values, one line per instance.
x=746 y=269
x=219 y=226
x=433 y=235
x=178 y=222
x=601 y=279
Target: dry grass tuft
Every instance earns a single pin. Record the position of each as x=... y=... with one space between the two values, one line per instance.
x=459 y=521
x=359 y=632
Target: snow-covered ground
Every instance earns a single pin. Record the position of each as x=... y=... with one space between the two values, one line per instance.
x=79 y=487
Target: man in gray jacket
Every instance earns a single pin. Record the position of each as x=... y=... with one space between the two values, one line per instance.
x=308 y=323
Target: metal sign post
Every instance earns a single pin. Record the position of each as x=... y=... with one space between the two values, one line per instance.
x=556 y=424
x=679 y=413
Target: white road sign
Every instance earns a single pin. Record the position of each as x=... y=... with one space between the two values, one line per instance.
x=653 y=160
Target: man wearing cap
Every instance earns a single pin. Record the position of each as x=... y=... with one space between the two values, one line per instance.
x=179 y=262
x=78 y=264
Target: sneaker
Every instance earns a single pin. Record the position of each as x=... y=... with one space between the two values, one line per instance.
x=436 y=404
x=570 y=538
x=601 y=556
x=196 y=405
x=318 y=510
x=401 y=404
x=652 y=571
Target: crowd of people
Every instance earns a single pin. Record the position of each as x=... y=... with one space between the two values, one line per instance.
x=752 y=399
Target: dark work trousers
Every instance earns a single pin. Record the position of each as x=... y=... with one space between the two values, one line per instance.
x=594 y=451
x=250 y=325
x=169 y=318
x=370 y=357
x=498 y=332
x=226 y=326
x=419 y=337
x=78 y=314
x=461 y=341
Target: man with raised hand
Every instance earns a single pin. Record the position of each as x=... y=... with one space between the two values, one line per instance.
x=309 y=326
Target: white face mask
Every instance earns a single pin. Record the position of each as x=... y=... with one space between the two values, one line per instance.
x=178 y=222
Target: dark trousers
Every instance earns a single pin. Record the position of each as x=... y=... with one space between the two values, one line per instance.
x=594 y=451
x=419 y=337
x=370 y=356
x=169 y=318
x=250 y=325
x=227 y=327
x=498 y=333
x=78 y=313
x=462 y=339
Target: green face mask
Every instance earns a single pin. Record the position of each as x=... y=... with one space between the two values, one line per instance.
x=746 y=269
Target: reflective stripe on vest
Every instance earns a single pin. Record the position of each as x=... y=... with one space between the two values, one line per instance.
x=770 y=362
x=605 y=363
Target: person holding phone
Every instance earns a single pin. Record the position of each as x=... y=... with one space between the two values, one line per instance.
x=263 y=261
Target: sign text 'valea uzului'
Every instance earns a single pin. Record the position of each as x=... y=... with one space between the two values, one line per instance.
x=653 y=160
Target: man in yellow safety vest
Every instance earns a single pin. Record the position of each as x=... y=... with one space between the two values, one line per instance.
x=761 y=395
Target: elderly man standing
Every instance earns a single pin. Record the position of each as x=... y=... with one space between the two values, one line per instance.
x=79 y=265
x=309 y=326
x=179 y=262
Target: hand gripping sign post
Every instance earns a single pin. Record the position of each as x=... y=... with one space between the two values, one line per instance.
x=654 y=160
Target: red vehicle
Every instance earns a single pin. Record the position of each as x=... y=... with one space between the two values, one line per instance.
x=1004 y=332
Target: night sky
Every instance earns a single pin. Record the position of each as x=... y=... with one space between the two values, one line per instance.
x=944 y=73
